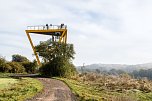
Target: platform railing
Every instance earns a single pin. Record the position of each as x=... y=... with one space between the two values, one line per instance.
x=46 y=27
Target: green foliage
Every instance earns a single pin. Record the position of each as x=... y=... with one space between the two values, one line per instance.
x=15 y=67
x=30 y=67
x=142 y=73
x=58 y=57
x=2 y=64
x=56 y=50
x=56 y=68
x=4 y=75
x=25 y=88
x=19 y=58
x=19 y=64
x=6 y=82
x=8 y=66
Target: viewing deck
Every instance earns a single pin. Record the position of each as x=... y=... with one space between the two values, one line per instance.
x=47 y=29
x=58 y=34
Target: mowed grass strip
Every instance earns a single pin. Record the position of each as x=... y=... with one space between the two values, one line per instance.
x=7 y=82
x=24 y=88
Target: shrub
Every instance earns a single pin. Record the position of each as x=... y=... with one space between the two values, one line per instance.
x=30 y=67
x=58 y=58
x=19 y=58
x=15 y=67
x=2 y=64
x=62 y=69
x=19 y=64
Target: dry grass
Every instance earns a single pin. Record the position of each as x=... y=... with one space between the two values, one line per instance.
x=116 y=83
x=92 y=87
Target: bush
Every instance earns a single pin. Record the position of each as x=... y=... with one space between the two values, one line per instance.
x=62 y=69
x=58 y=58
x=30 y=67
x=7 y=68
x=2 y=64
x=14 y=67
x=19 y=64
x=19 y=58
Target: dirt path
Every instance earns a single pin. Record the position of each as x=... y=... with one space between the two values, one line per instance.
x=54 y=90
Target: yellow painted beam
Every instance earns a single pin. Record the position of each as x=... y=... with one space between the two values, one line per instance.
x=61 y=37
x=37 y=58
x=49 y=30
x=66 y=37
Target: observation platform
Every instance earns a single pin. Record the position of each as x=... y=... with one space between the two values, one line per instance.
x=58 y=34
x=55 y=30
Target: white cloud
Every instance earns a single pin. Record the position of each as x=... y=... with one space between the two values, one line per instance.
x=102 y=31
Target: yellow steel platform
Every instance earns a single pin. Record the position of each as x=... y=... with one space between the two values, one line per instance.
x=56 y=31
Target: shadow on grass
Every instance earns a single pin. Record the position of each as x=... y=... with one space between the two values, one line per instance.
x=18 y=76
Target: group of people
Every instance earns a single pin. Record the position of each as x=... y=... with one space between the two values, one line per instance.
x=59 y=27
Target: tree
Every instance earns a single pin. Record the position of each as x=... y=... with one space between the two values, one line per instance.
x=2 y=64
x=15 y=67
x=30 y=67
x=142 y=73
x=58 y=57
x=19 y=58
x=98 y=71
x=54 y=50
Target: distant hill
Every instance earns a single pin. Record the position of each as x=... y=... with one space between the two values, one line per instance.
x=107 y=67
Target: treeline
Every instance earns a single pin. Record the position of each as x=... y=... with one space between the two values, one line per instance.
x=142 y=73
x=18 y=64
x=57 y=61
x=99 y=71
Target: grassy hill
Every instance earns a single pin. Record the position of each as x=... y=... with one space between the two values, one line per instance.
x=108 y=67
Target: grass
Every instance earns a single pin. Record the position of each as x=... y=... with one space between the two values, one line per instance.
x=94 y=90
x=7 y=82
x=82 y=91
x=5 y=75
x=20 y=89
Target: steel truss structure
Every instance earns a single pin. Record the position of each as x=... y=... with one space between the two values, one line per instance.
x=58 y=33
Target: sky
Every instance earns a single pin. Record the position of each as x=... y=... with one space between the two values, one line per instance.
x=102 y=31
